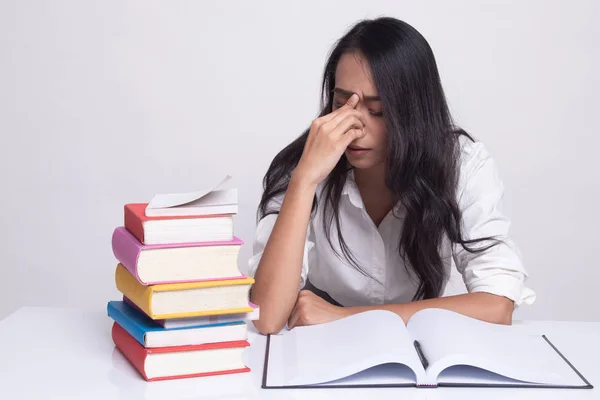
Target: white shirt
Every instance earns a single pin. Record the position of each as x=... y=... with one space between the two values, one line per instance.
x=498 y=270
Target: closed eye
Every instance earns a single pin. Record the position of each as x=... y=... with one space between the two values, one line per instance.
x=337 y=105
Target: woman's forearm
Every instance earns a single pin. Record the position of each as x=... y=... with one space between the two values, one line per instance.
x=483 y=306
x=277 y=277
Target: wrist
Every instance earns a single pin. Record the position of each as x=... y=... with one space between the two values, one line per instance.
x=344 y=312
x=302 y=183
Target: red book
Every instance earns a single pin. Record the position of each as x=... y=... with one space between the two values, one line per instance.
x=181 y=361
x=177 y=229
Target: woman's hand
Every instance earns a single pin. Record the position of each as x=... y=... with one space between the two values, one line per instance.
x=327 y=140
x=310 y=309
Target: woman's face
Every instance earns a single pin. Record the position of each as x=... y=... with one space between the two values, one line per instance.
x=353 y=75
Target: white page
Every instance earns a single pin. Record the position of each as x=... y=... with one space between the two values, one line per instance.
x=327 y=352
x=464 y=374
x=216 y=202
x=190 y=322
x=388 y=374
x=449 y=338
x=165 y=200
x=215 y=198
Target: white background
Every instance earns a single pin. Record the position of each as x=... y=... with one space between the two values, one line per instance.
x=108 y=102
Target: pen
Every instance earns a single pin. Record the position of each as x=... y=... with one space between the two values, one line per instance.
x=421 y=355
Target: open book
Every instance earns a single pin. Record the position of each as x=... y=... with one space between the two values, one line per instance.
x=435 y=348
x=208 y=201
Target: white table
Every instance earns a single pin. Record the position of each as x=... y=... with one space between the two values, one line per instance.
x=50 y=353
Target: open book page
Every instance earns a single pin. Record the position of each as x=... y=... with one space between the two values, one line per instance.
x=449 y=339
x=166 y=200
x=392 y=374
x=216 y=198
x=466 y=375
x=324 y=353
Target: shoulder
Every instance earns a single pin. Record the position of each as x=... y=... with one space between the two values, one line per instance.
x=472 y=153
x=478 y=171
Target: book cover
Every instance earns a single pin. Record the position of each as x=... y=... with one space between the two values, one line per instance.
x=138 y=324
x=135 y=216
x=127 y=249
x=136 y=354
x=194 y=322
x=141 y=295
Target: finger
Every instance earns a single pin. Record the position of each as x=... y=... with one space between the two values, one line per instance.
x=350 y=104
x=333 y=123
x=331 y=120
x=351 y=135
x=346 y=124
x=293 y=318
x=301 y=321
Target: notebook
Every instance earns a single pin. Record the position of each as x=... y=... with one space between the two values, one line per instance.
x=435 y=348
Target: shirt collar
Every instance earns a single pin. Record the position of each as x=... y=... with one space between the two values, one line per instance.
x=350 y=190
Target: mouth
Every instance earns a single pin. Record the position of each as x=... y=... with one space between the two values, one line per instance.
x=356 y=150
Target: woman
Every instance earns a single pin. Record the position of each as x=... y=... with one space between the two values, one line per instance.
x=370 y=207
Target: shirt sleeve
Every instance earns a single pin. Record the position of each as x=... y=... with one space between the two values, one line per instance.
x=263 y=232
x=498 y=270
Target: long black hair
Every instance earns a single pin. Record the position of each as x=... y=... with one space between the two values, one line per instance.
x=423 y=149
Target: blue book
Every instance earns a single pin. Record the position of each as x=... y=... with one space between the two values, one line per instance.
x=151 y=335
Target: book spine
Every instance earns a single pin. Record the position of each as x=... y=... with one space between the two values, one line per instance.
x=133 y=224
x=126 y=323
x=130 y=348
x=126 y=249
x=129 y=286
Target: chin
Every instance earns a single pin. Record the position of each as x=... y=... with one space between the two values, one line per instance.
x=362 y=163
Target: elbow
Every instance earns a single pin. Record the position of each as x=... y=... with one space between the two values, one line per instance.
x=502 y=310
x=268 y=322
x=493 y=308
x=268 y=326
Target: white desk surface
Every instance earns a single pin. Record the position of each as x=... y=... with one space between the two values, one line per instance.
x=52 y=353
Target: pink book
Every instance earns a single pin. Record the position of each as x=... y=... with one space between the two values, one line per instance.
x=175 y=263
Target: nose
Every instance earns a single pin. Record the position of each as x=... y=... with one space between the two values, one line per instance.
x=364 y=111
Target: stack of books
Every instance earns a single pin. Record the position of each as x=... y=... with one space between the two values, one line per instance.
x=185 y=305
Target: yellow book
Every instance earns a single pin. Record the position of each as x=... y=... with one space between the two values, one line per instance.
x=191 y=299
